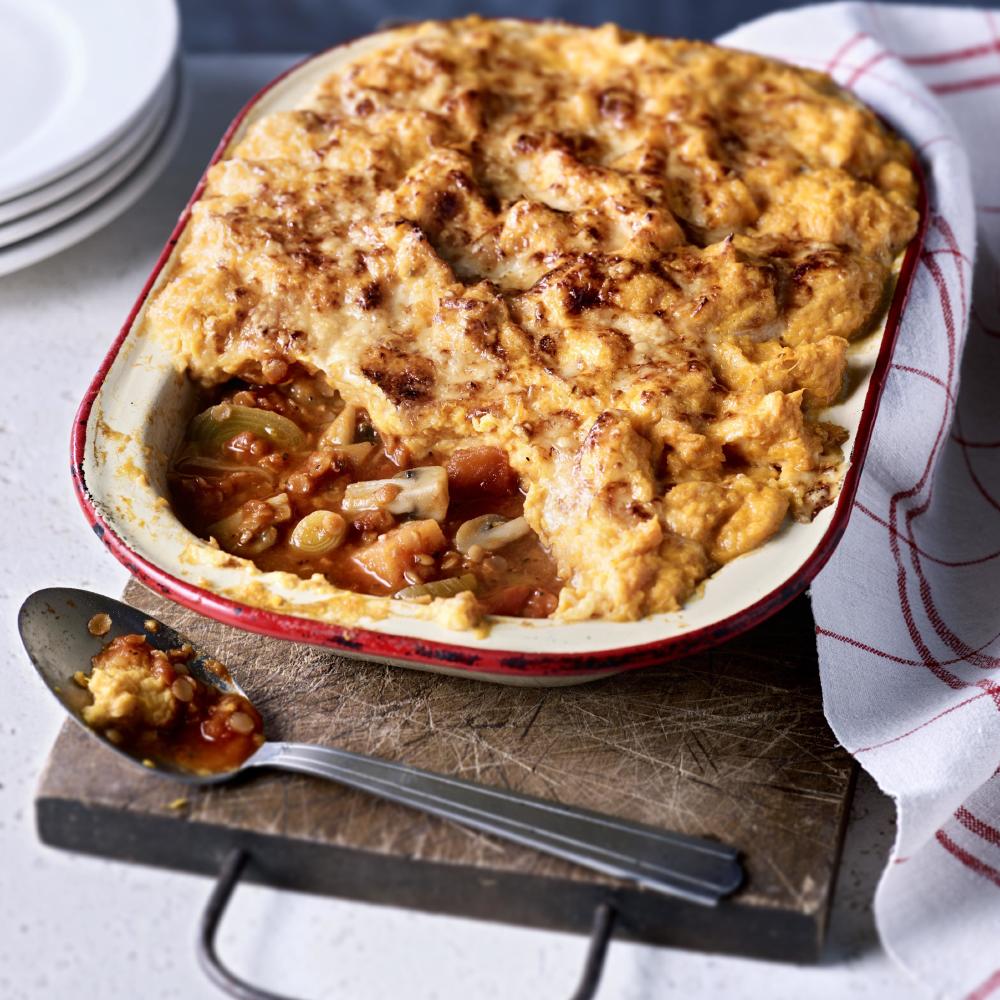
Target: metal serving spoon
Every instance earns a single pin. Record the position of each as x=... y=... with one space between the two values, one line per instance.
x=53 y=625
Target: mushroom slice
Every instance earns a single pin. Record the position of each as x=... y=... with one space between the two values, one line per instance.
x=421 y=493
x=490 y=532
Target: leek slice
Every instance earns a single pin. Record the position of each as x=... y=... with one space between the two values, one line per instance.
x=202 y=464
x=318 y=533
x=448 y=587
x=211 y=429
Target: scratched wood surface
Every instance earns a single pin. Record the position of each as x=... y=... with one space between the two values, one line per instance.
x=729 y=744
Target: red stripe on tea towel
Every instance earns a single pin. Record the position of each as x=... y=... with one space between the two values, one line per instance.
x=977 y=826
x=843 y=50
x=859 y=71
x=950 y=563
x=986 y=988
x=958 y=86
x=969 y=860
x=954 y=55
x=925 y=723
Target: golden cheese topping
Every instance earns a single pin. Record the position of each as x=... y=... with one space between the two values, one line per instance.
x=635 y=264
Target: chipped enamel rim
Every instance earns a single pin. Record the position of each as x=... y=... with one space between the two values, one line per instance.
x=134 y=411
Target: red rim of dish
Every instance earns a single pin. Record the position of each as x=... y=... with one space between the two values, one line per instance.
x=369 y=643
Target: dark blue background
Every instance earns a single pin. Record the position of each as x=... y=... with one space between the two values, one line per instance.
x=308 y=25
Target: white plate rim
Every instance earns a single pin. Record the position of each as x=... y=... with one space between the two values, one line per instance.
x=24 y=172
x=18 y=230
x=97 y=216
x=62 y=187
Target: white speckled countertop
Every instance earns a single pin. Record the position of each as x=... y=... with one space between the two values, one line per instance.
x=77 y=927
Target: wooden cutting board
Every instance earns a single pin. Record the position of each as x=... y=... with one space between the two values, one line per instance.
x=729 y=744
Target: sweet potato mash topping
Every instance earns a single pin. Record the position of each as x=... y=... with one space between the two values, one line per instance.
x=633 y=265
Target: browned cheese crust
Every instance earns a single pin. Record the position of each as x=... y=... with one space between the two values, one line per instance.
x=633 y=263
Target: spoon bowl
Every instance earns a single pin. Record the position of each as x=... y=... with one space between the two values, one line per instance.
x=54 y=629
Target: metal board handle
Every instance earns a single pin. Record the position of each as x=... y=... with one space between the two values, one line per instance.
x=231 y=984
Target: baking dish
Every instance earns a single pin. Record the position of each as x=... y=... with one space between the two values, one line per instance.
x=138 y=405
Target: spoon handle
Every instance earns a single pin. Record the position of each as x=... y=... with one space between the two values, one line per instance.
x=698 y=870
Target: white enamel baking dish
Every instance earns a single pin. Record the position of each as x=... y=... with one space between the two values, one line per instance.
x=137 y=407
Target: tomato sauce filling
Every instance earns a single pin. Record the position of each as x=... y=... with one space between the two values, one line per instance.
x=288 y=495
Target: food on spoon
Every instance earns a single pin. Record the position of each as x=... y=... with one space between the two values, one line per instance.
x=145 y=701
x=100 y=624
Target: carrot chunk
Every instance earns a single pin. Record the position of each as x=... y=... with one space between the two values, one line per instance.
x=393 y=553
x=483 y=470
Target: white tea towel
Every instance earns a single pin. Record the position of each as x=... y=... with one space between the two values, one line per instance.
x=908 y=610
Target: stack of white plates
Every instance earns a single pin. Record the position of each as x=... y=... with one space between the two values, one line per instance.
x=90 y=115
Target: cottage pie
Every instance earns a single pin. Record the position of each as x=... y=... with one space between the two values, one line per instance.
x=544 y=314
